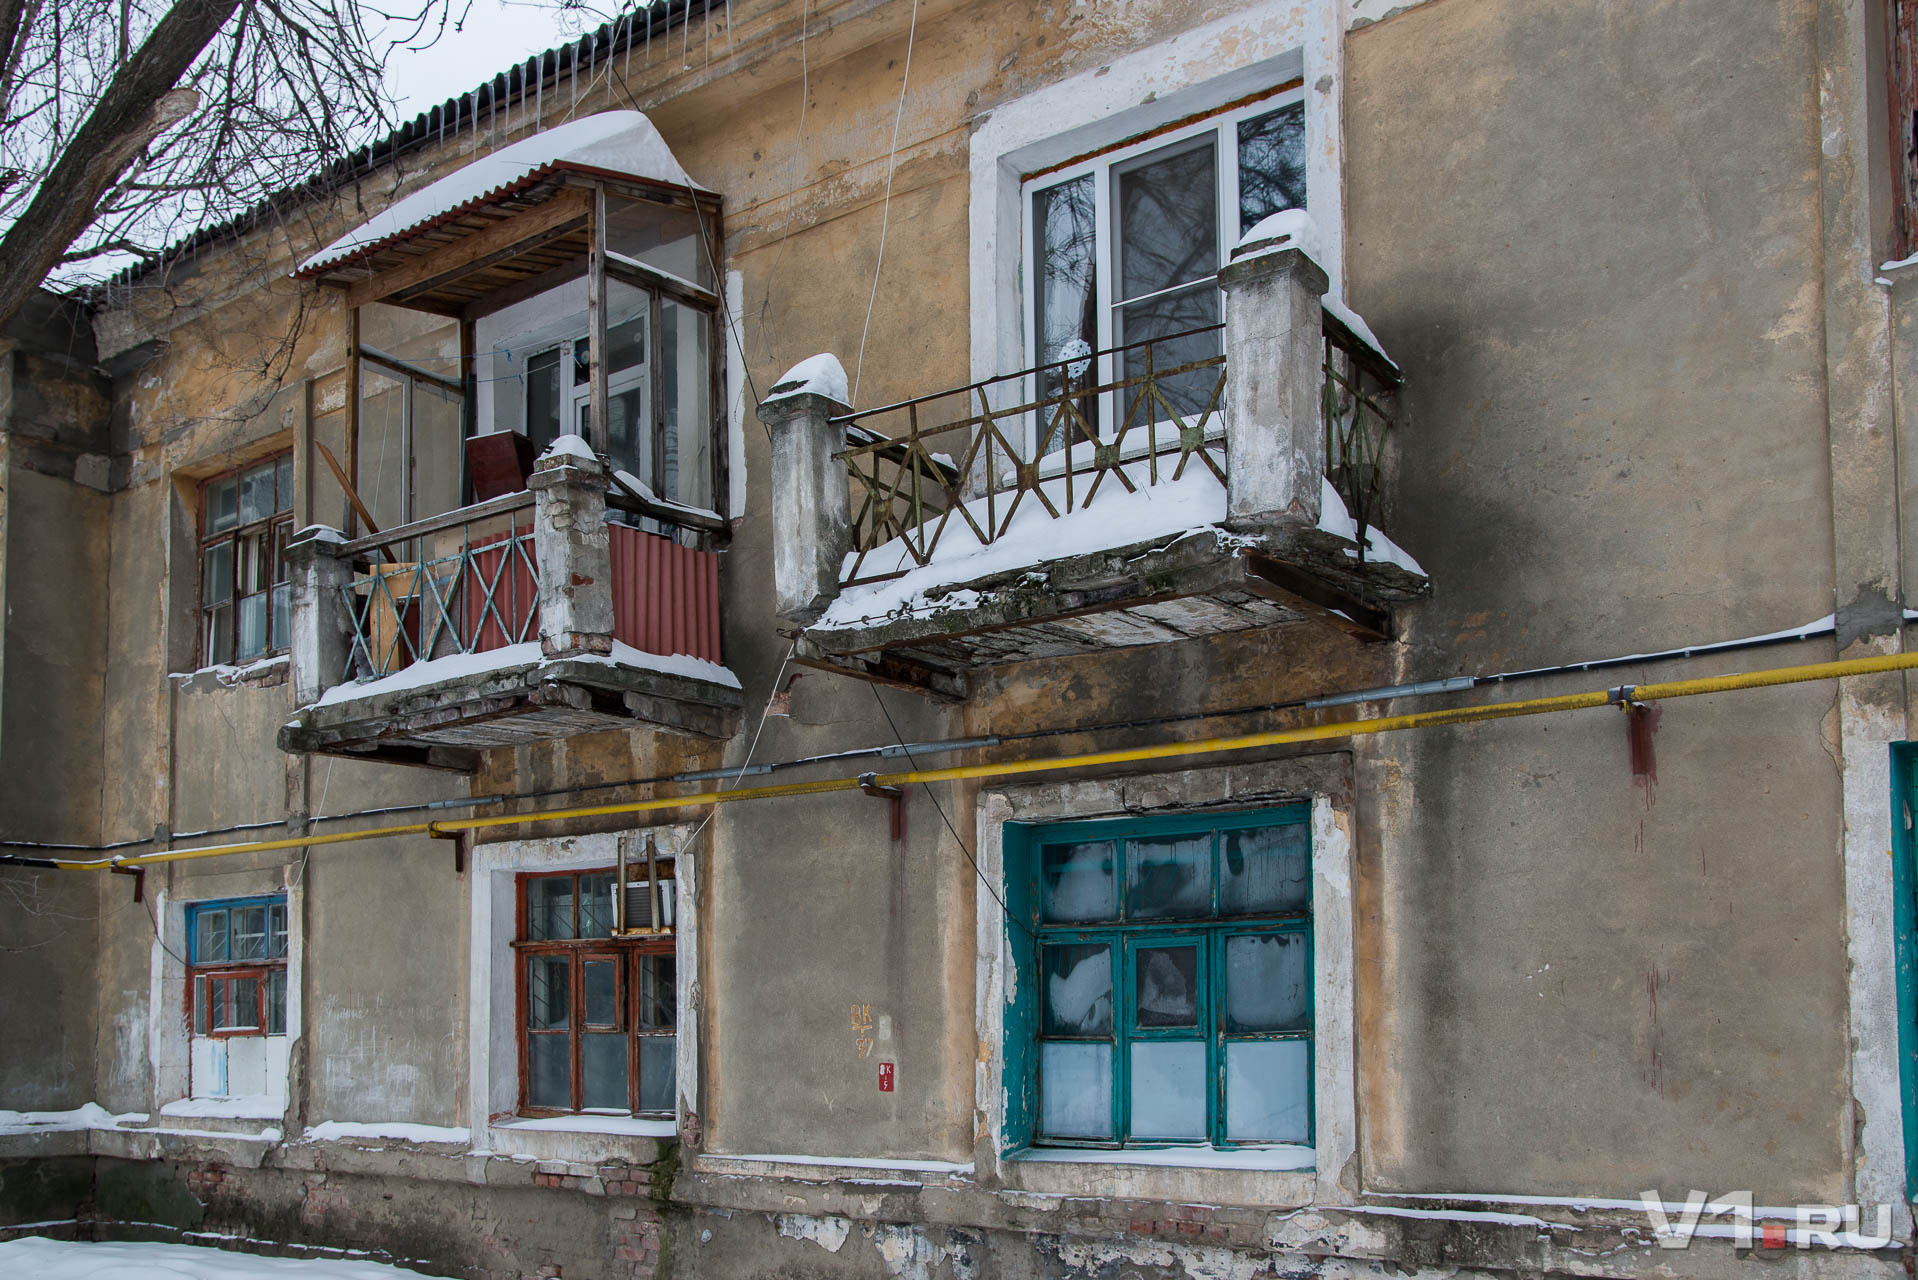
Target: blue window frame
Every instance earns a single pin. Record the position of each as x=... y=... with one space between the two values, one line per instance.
x=1164 y=985
x=236 y=966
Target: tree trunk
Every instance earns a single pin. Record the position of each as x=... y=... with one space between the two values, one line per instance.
x=137 y=106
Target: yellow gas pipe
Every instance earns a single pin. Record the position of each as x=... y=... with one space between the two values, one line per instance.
x=1618 y=695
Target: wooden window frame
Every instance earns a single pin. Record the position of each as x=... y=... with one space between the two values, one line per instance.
x=1901 y=74
x=1124 y=937
x=277 y=528
x=261 y=968
x=629 y=953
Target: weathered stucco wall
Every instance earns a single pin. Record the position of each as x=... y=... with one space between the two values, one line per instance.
x=1591 y=236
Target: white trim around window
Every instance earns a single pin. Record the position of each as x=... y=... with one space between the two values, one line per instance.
x=1194 y=73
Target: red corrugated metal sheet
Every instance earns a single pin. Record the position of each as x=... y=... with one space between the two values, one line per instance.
x=665 y=596
x=514 y=596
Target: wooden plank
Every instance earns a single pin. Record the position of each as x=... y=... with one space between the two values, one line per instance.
x=502 y=237
x=598 y=434
x=532 y=286
x=1292 y=585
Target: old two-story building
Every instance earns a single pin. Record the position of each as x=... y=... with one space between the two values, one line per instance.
x=1336 y=704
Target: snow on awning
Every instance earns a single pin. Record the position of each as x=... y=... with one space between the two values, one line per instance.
x=616 y=143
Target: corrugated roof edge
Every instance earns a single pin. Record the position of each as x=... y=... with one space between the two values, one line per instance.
x=504 y=89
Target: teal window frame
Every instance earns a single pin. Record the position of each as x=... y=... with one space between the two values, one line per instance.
x=1028 y=936
x=1904 y=888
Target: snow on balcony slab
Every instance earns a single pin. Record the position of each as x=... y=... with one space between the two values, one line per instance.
x=90 y=1115
x=623 y=142
x=1379 y=549
x=524 y=656
x=1115 y=518
x=113 y=1260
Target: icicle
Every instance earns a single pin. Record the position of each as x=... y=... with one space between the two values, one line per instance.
x=727 y=8
x=649 y=35
x=539 y=97
x=574 y=50
x=685 y=33
x=626 y=67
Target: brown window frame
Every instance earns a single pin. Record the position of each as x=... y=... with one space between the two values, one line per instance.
x=261 y=968
x=629 y=953
x=275 y=529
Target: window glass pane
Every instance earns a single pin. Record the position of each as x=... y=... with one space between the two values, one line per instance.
x=1168 y=220
x=549 y=1071
x=548 y=993
x=1265 y=869
x=1271 y=164
x=1078 y=990
x=1188 y=395
x=199 y=1005
x=549 y=908
x=1168 y=1089
x=661 y=236
x=1067 y=321
x=1168 y=876
x=276 y=1003
x=209 y=939
x=1265 y=1091
x=216 y=576
x=276 y=931
x=282 y=616
x=236 y=1003
x=1079 y=882
x=247 y=938
x=383 y=478
x=596 y=905
x=626 y=338
x=628 y=441
x=688 y=435
x=1075 y=1089
x=1266 y=984
x=656 y=1073
x=1167 y=979
x=283 y=484
x=252 y=619
x=603 y=1065
x=256 y=494
x=217 y=634
x=542 y=399
x=437 y=452
x=582 y=361
x=251 y=548
x=600 y=981
x=658 y=997
x=222 y=504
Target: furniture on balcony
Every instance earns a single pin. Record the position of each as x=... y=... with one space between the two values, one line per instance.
x=1227 y=477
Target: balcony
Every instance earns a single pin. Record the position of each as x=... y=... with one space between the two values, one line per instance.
x=1228 y=478
x=525 y=618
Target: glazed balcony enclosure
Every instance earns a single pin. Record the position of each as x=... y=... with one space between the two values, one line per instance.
x=1214 y=479
x=553 y=299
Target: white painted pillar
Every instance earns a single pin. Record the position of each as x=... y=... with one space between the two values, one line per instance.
x=575 y=555
x=321 y=642
x=1274 y=387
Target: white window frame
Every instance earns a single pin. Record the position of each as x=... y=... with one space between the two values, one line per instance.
x=1198 y=1174
x=1222 y=126
x=492 y=1031
x=1196 y=71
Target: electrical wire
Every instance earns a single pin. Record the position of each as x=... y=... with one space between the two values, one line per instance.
x=1812 y=631
x=885 y=208
x=960 y=840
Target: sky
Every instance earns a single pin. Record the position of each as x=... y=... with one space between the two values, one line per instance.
x=481 y=39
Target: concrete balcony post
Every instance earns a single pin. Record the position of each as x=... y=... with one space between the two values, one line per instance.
x=812 y=518
x=321 y=624
x=1274 y=387
x=575 y=556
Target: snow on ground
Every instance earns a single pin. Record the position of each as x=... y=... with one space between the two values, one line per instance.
x=88 y=1116
x=45 y=1259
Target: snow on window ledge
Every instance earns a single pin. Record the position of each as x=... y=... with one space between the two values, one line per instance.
x=625 y=1126
x=1270 y=1159
x=253 y=1106
x=387 y=1130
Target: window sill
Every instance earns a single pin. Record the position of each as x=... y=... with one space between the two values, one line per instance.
x=625 y=1126
x=1271 y=1159
x=258 y=1106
